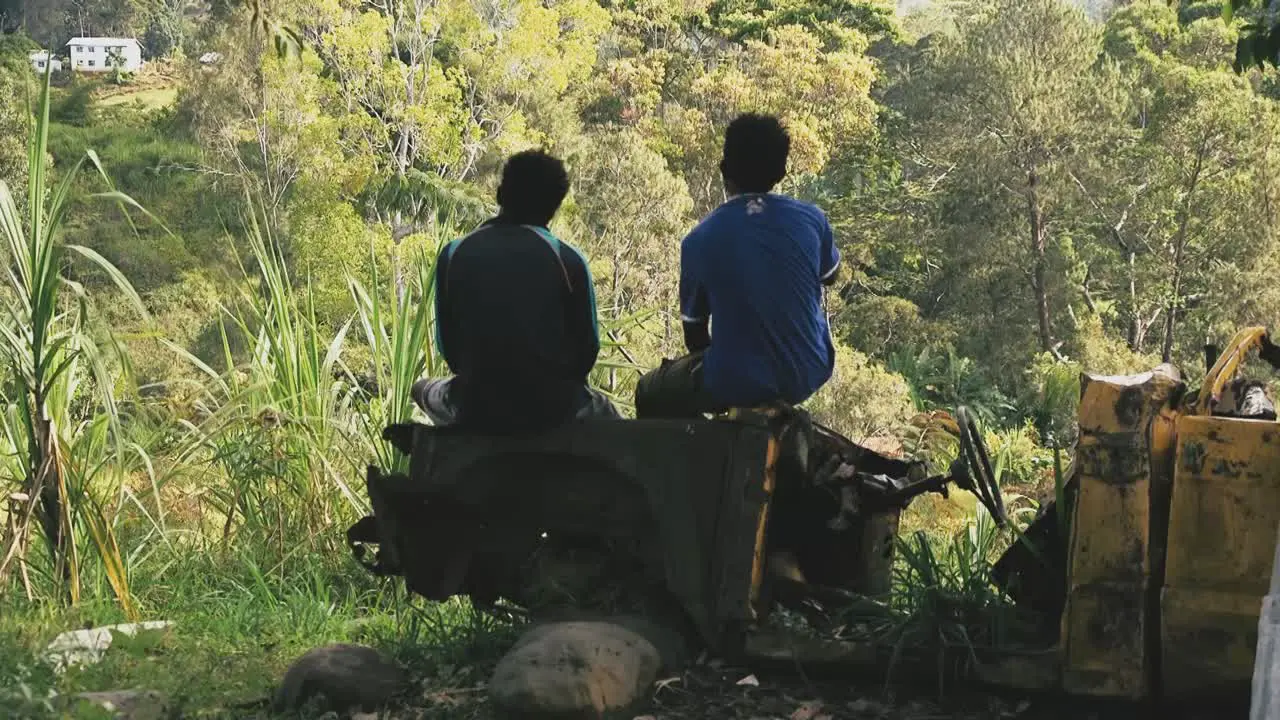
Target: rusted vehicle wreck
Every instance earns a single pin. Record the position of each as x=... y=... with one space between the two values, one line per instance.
x=675 y=518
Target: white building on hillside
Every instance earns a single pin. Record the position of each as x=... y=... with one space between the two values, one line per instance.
x=97 y=54
x=41 y=59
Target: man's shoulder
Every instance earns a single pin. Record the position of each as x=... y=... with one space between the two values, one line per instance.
x=802 y=208
x=496 y=238
x=722 y=217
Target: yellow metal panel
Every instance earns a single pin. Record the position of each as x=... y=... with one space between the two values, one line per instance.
x=1222 y=538
x=1124 y=464
x=1105 y=651
x=1226 y=505
x=1208 y=643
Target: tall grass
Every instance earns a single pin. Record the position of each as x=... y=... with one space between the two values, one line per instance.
x=399 y=335
x=61 y=470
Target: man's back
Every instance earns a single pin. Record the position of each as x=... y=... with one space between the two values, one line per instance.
x=756 y=267
x=516 y=323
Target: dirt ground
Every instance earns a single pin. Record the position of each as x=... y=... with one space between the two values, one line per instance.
x=718 y=692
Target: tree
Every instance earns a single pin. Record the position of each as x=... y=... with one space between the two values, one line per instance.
x=166 y=27
x=1259 y=42
x=1178 y=178
x=999 y=115
x=632 y=212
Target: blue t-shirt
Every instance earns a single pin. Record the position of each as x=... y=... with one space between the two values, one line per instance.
x=754 y=267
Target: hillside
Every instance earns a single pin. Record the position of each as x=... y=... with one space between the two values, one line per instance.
x=233 y=282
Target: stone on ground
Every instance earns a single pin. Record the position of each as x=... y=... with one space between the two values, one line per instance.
x=85 y=647
x=127 y=704
x=574 y=670
x=341 y=676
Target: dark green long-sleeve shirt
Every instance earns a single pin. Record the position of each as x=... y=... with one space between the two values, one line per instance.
x=516 y=323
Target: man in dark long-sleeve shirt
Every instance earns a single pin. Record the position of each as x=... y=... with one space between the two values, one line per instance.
x=515 y=314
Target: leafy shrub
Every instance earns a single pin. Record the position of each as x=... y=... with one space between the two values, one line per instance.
x=74 y=105
x=1052 y=398
x=862 y=399
x=946 y=380
x=946 y=603
x=881 y=325
x=1101 y=354
x=1018 y=453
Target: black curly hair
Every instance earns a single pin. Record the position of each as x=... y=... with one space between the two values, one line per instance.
x=755 y=153
x=533 y=186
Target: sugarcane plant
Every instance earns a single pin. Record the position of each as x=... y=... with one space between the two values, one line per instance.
x=56 y=460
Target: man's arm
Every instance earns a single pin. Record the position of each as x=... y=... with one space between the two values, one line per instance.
x=830 y=261
x=584 y=324
x=446 y=330
x=695 y=306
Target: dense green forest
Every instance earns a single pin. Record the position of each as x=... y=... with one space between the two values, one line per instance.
x=1022 y=190
x=1013 y=186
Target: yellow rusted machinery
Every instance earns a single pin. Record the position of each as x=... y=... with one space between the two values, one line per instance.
x=1171 y=540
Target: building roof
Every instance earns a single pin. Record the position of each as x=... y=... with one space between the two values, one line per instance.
x=102 y=41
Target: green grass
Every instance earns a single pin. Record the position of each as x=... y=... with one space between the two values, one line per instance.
x=238 y=626
x=151 y=98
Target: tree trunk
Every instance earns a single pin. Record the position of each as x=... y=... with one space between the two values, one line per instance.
x=1180 y=241
x=1135 y=314
x=1171 y=314
x=399 y=231
x=1040 y=269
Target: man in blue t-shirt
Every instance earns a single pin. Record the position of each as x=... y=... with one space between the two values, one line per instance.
x=757 y=266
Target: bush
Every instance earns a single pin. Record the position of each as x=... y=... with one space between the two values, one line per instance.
x=947 y=380
x=1052 y=398
x=74 y=105
x=862 y=399
x=1101 y=354
x=881 y=325
x=1018 y=452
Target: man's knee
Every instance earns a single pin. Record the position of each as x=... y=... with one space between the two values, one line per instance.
x=673 y=389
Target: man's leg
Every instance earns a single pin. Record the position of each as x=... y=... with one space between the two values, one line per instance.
x=432 y=395
x=673 y=390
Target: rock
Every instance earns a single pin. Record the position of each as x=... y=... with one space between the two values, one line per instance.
x=572 y=670
x=128 y=704
x=340 y=676
x=674 y=647
x=85 y=647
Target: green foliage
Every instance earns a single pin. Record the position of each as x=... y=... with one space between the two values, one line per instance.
x=63 y=465
x=946 y=380
x=1259 y=43
x=15 y=115
x=862 y=400
x=841 y=24
x=1018 y=453
x=948 y=609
